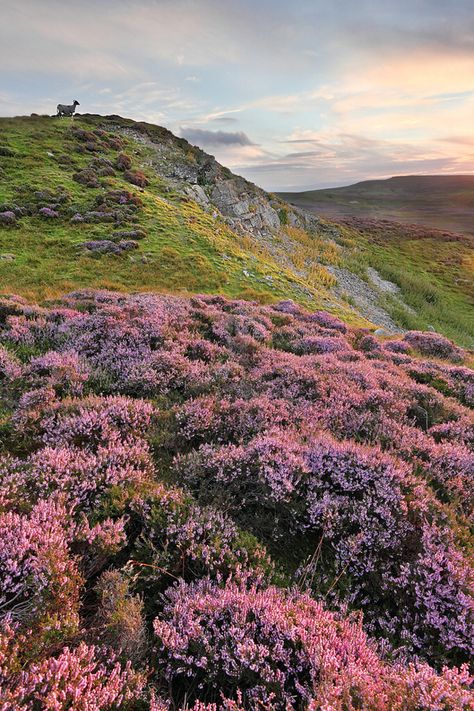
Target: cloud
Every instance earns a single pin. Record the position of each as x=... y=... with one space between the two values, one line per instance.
x=224 y=119
x=330 y=159
x=202 y=137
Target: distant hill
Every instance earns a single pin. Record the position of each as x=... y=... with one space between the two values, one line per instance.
x=442 y=201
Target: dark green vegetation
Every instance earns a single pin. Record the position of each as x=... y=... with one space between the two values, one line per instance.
x=445 y=202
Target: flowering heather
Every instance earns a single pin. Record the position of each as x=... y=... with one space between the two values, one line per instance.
x=10 y=368
x=166 y=463
x=75 y=679
x=283 y=650
x=64 y=372
x=433 y=344
x=38 y=576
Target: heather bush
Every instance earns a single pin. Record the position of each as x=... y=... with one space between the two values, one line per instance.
x=136 y=177
x=433 y=344
x=267 y=648
x=258 y=482
x=349 y=460
x=124 y=162
x=83 y=678
x=10 y=368
x=64 y=372
x=274 y=648
x=48 y=213
x=175 y=538
x=39 y=580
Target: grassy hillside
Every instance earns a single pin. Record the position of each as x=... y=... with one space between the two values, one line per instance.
x=445 y=202
x=159 y=206
x=432 y=265
x=185 y=248
x=433 y=271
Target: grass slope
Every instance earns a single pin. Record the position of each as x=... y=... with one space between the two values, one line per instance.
x=433 y=270
x=186 y=248
x=433 y=266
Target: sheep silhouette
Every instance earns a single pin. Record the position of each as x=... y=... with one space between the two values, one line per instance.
x=67 y=110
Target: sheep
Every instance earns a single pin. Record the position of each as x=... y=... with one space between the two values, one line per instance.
x=65 y=110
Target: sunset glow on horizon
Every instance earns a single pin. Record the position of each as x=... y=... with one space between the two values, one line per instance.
x=292 y=95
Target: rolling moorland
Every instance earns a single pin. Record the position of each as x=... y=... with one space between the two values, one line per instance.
x=222 y=487
x=444 y=202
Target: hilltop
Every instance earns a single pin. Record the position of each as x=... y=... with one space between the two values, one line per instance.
x=106 y=202
x=197 y=227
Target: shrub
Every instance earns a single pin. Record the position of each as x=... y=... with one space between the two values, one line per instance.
x=87 y=177
x=276 y=649
x=7 y=217
x=433 y=344
x=80 y=678
x=38 y=578
x=267 y=648
x=124 y=162
x=48 y=213
x=136 y=177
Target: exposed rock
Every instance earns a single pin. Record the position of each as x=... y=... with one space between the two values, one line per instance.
x=364 y=296
x=198 y=194
x=253 y=211
x=384 y=285
x=8 y=257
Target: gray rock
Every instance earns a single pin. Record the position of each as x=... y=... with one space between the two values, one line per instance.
x=8 y=257
x=198 y=194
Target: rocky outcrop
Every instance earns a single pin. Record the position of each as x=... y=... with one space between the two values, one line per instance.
x=199 y=176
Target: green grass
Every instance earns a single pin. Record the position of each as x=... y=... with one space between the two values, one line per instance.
x=435 y=276
x=186 y=250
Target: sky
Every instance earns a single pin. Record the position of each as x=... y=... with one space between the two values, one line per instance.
x=293 y=95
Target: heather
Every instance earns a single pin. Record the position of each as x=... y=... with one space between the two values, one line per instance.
x=214 y=504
